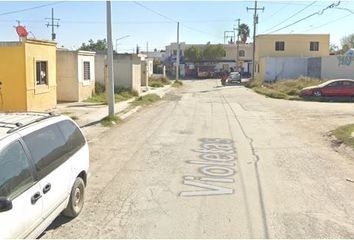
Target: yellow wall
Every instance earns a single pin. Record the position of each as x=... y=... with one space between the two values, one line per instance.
x=40 y=97
x=13 y=78
x=296 y=45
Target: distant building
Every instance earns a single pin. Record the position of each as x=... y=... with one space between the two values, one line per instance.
x=27 y=75
x=278 y=54
x=155 y=55
x=75 y=75
x=228 y=62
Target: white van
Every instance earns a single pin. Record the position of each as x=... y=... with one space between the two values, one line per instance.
x=44 y=160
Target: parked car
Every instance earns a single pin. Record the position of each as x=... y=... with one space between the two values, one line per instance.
x=234 y=77
x=332 y=88
x=44 y=160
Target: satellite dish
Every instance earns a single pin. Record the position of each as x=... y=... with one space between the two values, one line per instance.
x=21 y=31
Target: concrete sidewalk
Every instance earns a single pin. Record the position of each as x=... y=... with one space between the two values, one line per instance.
x=90 y=114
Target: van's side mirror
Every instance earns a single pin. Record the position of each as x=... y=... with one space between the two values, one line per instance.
x=5 y=204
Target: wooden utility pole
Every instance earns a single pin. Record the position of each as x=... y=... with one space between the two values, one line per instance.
x=255 y=22
x=238 y=44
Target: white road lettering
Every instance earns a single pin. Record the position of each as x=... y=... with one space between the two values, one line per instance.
x=217 y=157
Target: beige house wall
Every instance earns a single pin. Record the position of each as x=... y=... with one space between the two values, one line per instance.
x=126 y=67
x=85 y=87
x=136 y=72
x=67 y=89
x=70 y=75
x=100 y=61
x=144 y=74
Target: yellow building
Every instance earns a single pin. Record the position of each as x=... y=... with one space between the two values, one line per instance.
x=286 y=46
x=27 y=75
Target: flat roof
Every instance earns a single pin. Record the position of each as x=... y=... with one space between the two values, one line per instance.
x=292 y=35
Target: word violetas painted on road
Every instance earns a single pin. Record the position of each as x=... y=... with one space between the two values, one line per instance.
x=217 y=157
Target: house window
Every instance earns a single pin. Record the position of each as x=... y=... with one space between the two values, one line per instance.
x=41 y=72
x=241 y=53
x=314 y=46
x=87 y=75
x=279 y=46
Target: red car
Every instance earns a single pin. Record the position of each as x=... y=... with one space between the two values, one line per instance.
x=332 y=88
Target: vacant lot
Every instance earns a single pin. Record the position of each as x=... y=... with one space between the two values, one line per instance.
x=345 y=134
x=284 y=89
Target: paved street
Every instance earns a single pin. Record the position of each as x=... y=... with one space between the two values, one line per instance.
x=219 y=162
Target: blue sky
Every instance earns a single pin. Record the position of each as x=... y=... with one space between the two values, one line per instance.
x=201 y=21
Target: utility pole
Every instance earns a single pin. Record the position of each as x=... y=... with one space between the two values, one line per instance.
x=255 y=22
x=238 y=44
x=52 y=24
x=110 y=83
x=147 y=48
x=178 y=49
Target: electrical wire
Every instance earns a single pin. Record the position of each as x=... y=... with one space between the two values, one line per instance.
x=173 y=20
x=152 y=10
x=333 y=5
x=327 y=23
x=31 y=8
x=298 y=12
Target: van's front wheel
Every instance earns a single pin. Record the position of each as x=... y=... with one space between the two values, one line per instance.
x=76 y=200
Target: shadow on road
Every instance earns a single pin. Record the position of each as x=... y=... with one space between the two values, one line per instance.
x=59 y=221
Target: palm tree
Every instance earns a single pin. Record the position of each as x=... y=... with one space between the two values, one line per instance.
x=244 y=32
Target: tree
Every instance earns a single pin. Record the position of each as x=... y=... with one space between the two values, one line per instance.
x=213 y=52
x=244 y=32
x=347 y=42
x=193 y=54
x=99 y=45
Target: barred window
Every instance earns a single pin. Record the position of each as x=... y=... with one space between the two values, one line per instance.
x=279 y=46
x=87 y=75
x=314 y=46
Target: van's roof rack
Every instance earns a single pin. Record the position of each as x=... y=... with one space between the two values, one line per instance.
x=14 y=126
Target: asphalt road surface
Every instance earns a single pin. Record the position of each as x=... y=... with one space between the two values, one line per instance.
x=219 y=162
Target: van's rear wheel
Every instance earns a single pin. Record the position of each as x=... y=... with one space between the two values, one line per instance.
x=76 y=200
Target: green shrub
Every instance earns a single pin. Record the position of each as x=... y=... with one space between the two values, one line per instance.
x=344 y=134
x=162 y=80
x=109 y=121
x=177 y=83
x=99 y=88
x=155 y=84
x=146 y=100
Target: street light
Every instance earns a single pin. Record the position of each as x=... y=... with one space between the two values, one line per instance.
x=120 y=39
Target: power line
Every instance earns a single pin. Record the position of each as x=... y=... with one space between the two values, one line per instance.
x=31 y=8
x=119 y=22
x=275 y=13
x=174 y=20
x=303 y=9
x=152 y=10
x=327 y=23
x=333 y=5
